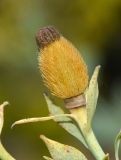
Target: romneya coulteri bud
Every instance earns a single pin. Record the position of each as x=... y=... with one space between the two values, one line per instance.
x=65 y=74
x=63 y=69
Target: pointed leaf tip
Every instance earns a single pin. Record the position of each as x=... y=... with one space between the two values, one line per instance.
x=99 y=66
x=2 y=114
x=60 y=151
x=117 y=144
x=42 y=137
x=47 y=158
x=92 y=96
x=106 y=157
x=4 y=104
x=3 y=153
x=39 y=119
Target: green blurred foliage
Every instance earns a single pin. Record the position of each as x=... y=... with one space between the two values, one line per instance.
x=89 y=25
x=86 y=21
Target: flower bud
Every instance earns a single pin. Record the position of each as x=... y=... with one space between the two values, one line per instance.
x=63 y=69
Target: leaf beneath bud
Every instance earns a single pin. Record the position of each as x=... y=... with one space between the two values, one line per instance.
x=47 y=158
x=65 y=122
x=117 y=143
x=92 y=96
x=2 y=115
x=62 y=152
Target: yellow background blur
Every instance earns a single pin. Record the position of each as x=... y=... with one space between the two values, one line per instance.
x=95 y=29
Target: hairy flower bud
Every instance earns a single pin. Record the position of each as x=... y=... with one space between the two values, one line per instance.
x=63 y=69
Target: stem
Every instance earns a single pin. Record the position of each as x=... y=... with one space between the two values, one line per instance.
x=93 y=145
x=4 y=155
x=116 y=151
x=90 y=139
x=117 y=145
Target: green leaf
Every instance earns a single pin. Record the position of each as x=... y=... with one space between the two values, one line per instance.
x=47 y=158
x=39 y=119
x=62 y=152
x=4 y=155
x=92 y=96
x=117 y=143
x=2 y=115
x=65 y=122
x=106 y=157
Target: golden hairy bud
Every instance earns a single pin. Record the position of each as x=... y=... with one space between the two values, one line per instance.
x=63 y=69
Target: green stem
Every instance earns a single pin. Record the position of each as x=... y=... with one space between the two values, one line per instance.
x=93 y=145
x=4 y=155
x=117 y=150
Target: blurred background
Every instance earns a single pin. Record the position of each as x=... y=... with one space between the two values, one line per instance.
x=94 y=27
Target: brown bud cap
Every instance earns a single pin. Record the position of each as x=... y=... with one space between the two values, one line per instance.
x=75 y=102
x=46 y=36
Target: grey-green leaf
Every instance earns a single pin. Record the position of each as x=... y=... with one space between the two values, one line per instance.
x=2 y=115
x=65 y=122
x=4 y=155
x=92 y=96
x=106 y=157
x=47 y=158
x=117 y=143
x=60 y=151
